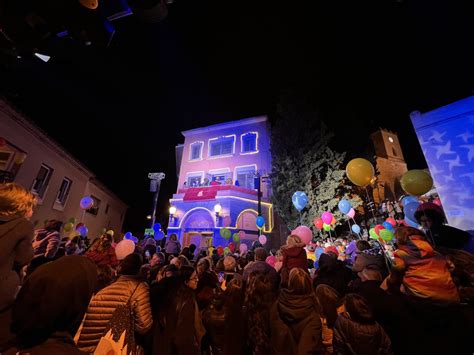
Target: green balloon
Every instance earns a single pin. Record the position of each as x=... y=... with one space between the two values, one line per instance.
x=386 y=235
x=227 y=250
x=225 y=233
x=236 y=237
x=72 y=220
x=373 y=235
x=327 y=227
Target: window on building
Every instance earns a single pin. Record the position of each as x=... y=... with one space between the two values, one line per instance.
x=394 y=152
x=245 y=176
x=95 y=208
x=63 y=192
x=5 y=158
x=196 y=151
x=194 y=179
x=249 y=143
x=40 y=184
x=221 y=146
x=107 y=209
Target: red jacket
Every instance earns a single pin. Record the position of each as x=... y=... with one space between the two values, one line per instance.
x=295 y=257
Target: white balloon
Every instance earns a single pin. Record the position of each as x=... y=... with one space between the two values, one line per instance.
x=262 y=239
x=124 y=248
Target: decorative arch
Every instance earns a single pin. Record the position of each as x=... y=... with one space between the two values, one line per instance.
x=198 y=217
x=247 y=220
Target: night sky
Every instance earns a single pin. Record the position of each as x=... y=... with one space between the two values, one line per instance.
x=364 y=64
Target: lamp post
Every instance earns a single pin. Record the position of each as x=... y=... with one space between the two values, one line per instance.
x=256 y=185
x=217 y=210
x=172 y=211
x=155 y=182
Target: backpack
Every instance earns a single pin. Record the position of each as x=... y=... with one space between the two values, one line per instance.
x=119 y=335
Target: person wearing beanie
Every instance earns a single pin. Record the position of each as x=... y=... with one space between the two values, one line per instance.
x=128 y=289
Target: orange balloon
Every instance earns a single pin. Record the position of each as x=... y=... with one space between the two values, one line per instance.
x=360 y=171
x=416 y=182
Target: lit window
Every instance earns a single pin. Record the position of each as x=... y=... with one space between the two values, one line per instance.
x=390 y=139
x=40 y=184
x=249 y=142
x=245 y=176
x=63 y=192
x=95 y=208
x=221 y=146
x=195 y=152
x=194 y=179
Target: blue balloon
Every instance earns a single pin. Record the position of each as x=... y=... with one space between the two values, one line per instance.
x=128 y=235
x=83 y=231
x=260 y=221
x=355 y=228
x=158 y=235
x=134 y=239
x=156 y=227
x=411 y=223
x=300 y=200
x=387 y=226
x=344 y=206
x=410 y=210
x=409 y=199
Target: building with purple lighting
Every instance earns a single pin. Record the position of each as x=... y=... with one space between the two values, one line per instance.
x=219 y=169
x=446 y=136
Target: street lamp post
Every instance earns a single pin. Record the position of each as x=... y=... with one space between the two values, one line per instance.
x=155 y=182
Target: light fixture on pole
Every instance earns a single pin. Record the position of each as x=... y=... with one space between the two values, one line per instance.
x=172 y=211
x=217 y=210
x=155 y=182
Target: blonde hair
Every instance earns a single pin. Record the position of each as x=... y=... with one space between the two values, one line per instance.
x=15 y=200
x=299 y=282
x=293 y=240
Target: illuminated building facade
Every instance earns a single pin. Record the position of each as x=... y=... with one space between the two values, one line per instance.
x=219 y=170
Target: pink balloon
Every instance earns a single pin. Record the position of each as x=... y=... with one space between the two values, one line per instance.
x=262 y=239
x=241 y=234
x=123 y=248
x=327 y=217
x=437 y=202
x=304 y=233
x=271 y=260
x=227 y=221
x=243 y=248
x=351 y=213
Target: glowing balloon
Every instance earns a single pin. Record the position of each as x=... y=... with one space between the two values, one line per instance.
x=360 y=171
x=262 y=239
x=134 y=239
x=231 y=247
x=156 y=227
x=236 y=237
x=220 y=250
x=227 y=250
x=372 y=234
x=327 y=227
x=304 y=233
x=211 y=249
x=271 y=260
x=225 y=233
x=410 y=210
x=86 y=203
x=123 y=248
x=72 y=220
x=409 y=199
x=227 y=221
x=378 y=228
x=411 y=223
x=327 y=217
x=260 y=222
x=158 y=235
x=299 y=200
x=128 y=235
x=243 y=248
x=416 y=182
x=83 y=230
x=333 y=221
x=386 y=235
x=241 y=234
x=344 y=206
x=318 y=223
x=387 y=225
x=392 y=221
x=355 y=228
x=351 y=213
x=68 y=227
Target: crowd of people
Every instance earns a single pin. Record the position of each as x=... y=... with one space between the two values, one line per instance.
x=162 y=298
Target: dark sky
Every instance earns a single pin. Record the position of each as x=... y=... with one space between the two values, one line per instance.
x=364 y=63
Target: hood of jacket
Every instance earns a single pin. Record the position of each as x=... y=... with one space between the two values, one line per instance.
x=295 y=308
x=418 y=248
x=294 y=251
x=9 y=224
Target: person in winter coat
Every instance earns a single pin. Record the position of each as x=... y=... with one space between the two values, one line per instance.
x=51 y=306
x=295 y=321
x=208 y=281
x=178 y=327
x=294 y=254
x=102 y=306
x=332 y=272
x=431 y=218
x=46 y=243
x=16 y=234
x=372 y=257
x=102 y=252
x=172 y=246
x=356 y=331
x=419 y=271
x=261 y=266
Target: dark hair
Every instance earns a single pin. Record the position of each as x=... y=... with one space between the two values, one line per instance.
x=54 y=225
x=299 y=282
x=185 y=272
x=258 y=300
x=260 y=254
x=403 y=234
x=131 y=265
x=192 y=248
x=205 y=261
x=328 y=301
x=105 y=276
x=362 y=245
x=358 y=309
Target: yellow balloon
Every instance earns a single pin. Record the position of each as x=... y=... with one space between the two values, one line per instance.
x=360 y=171
x=416 y=182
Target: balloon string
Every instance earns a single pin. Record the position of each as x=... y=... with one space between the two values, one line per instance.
x=368 y=197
